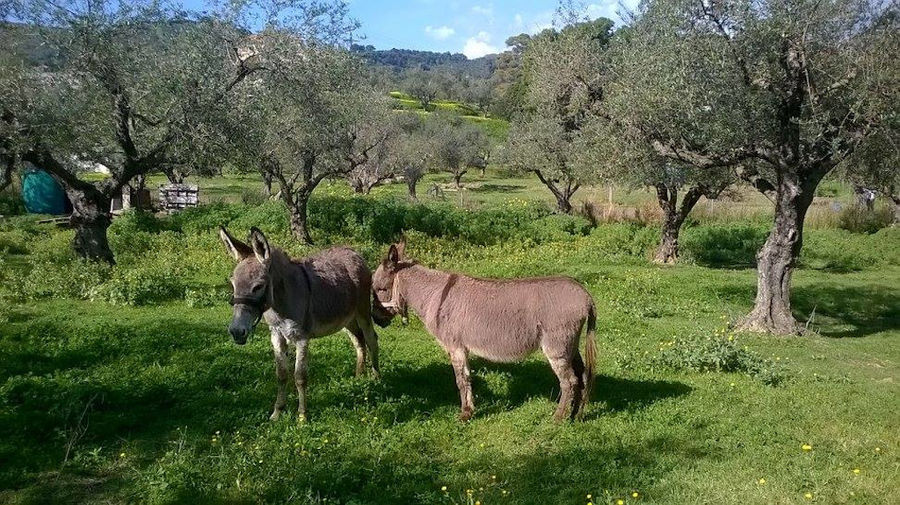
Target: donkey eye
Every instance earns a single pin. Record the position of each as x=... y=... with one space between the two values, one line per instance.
x=257 y=287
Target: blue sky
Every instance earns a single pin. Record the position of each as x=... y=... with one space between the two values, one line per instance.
x=471 y=27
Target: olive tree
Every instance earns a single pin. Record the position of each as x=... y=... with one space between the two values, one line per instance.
x=779 y=91
x=563 y=96
x=124 y=88
x=455 y=143
x=372 y=149
x=304 y=116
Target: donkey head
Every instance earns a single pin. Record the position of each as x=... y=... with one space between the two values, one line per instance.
x=387 y=301
x=250 y=282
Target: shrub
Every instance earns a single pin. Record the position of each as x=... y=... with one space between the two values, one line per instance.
x=139 y=286
x=858 y=219
x=11 y=203
x=252 y=196
x=207 y=297
x=59 y=278
x=725 y=245
x=718 y=353
x=828 y=189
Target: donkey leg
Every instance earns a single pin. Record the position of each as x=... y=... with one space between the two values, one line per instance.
x=359 y=343
x=371 y=339
x=578 y=400
x=300 y=377
x=279 y=348
x=459 y=359
x=568 y=380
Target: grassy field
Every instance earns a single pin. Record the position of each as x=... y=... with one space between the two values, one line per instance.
x=121 y=385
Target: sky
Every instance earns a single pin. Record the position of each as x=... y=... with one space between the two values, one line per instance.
x=471 y=27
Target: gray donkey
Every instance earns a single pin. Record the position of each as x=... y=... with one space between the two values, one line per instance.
x=499 y=320
x=300 y=300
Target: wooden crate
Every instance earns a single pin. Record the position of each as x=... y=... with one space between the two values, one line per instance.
x=175 y=197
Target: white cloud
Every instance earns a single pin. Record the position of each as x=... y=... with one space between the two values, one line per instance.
x=440 y=33
x=518 y=21
x=479 y=45
x=484 y=11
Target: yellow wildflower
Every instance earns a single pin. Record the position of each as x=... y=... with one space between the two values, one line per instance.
x=620 y=502
x=808 y=496
x=806 y=447
x=443 y=488
x=634 y=494
x=762 y=481
x=856 y=471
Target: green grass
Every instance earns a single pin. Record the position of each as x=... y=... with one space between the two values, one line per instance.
x=103 y=403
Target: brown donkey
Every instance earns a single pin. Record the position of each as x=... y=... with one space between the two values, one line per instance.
x=499 y=320
x=300 y=300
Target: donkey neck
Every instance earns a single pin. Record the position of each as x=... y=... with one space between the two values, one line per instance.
x=419 y=286
x=289 y=281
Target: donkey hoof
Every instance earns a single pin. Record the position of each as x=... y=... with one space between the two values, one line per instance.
x=275 y=415
x=376 y=375
x=465 y=415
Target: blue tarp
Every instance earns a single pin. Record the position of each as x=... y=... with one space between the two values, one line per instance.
x=42 y=194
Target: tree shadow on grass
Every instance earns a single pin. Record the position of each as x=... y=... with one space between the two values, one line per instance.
x=839 y=311
x=835 y=310
x=493 y=188
x=729 y=247
x=433 y=386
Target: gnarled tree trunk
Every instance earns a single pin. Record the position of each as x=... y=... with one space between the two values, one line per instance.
x=457 y=177
x=297 y=206
x=411 y=187
x=267 y=184
x=673 y=218
x=562 y=193
x=173 y=174
x=778 y=256
x=91 y=220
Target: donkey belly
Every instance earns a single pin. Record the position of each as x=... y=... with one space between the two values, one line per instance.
x=502 y=353
x=501 y=342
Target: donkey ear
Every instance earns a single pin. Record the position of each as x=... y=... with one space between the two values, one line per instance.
x=236 y=248
x=401 y=248
x=394 y=254
x=260 y=245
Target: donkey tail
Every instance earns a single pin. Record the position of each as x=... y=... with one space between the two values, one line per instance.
x=590 y=355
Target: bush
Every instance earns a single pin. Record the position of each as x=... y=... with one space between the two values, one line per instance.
x=11 y=203
x=139 y=286
x=252 y=197
x=208 y=297
x=828 y=189
x=60 y=278
x=726 y=245
x=858 y=219
x=718 y=353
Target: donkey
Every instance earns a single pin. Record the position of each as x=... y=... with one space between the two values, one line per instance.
x=300 y=300
x=499 y=320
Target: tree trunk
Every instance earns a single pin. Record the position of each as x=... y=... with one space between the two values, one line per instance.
x=267 y=184
x=174 y=175
x=300 y=218
x=673 y=218
x=563 y=202
x=91 y=220
x=896 y=200
x=457 y=177
x=778 y=256
x=411 y=187
x=667 y=253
